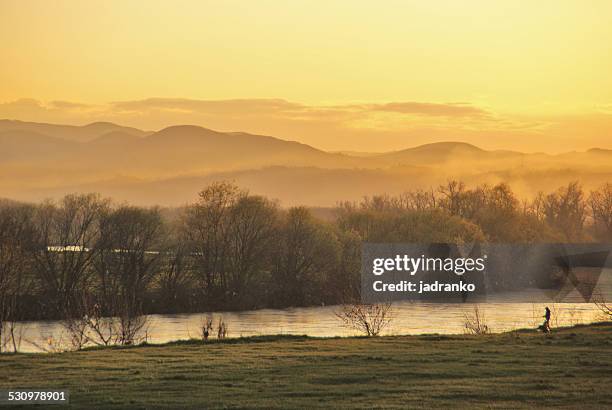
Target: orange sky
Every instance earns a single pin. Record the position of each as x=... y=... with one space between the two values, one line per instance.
x=350 y=75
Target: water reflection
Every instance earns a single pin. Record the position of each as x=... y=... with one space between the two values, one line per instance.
x=408 y=318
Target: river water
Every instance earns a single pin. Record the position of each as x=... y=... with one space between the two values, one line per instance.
x=408 y=319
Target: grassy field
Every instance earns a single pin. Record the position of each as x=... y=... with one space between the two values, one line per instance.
x=571 y=368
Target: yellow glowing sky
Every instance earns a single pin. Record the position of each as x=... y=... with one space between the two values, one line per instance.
x=360 y=75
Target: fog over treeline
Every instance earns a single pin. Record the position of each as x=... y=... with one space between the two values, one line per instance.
x=85 y=255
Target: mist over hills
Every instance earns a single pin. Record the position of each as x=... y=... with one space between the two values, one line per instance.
x=69 y=132
x=176 y=149
x=170 y=166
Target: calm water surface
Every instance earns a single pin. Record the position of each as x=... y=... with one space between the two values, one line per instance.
x=408 y=318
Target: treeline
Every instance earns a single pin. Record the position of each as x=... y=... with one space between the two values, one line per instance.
x=87 y=257
x=484 y=213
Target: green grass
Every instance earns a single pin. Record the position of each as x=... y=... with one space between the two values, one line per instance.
x=572 y=368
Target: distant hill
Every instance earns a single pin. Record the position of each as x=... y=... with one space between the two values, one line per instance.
x=21 y=145
x=440 y=152
x=174 y=150
x=600 y=151
x=202 y=149
x=114 y=138
x=170 y=166
x=310 y=186
x=69 y=132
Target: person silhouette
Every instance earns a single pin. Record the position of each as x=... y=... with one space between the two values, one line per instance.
x=545 y=327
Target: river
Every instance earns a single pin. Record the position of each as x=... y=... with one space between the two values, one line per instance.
x=408 y=319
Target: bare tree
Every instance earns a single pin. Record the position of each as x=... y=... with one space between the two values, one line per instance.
x=306 y=252
x=420 y=200
x=66 y=235
x=603 y=305
x=369 y=319
x=206 y=327
x=206 y=228
x=230 y=233
x=600 y=204
x=251 y=228
x=565 y=210
x=175 y=273
x=475 y=322
x=536 y=207
x=127 y=257
x=91 y=326
x=77 y=328
x=15 y=243
x=222 y=331
x=452 y=196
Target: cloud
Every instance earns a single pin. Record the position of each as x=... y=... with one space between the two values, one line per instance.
x=21 y=104
x=64 y=112
x=290 y=109
x=227 y=107
x=68 y=105
x=605 y=108
x=445 y=110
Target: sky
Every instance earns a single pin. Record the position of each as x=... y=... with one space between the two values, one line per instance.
x=339 y=75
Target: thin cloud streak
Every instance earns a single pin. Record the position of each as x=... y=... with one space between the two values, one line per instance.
x=445 y=110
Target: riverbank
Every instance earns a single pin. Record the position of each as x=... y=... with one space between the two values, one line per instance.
x=572 y=368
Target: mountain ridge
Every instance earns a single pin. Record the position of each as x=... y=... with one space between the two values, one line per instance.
x=100 y=129
x=78 y=133
x=170 y=165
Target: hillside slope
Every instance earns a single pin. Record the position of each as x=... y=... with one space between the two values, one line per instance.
x=170 y=166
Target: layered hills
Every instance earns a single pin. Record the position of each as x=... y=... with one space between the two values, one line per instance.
x=169 y=166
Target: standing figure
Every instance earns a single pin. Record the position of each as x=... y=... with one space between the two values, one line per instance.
x=545 y=327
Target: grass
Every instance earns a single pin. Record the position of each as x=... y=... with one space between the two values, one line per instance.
x=572 y=368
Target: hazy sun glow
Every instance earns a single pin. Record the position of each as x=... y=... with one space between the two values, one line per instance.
x=351 y=75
